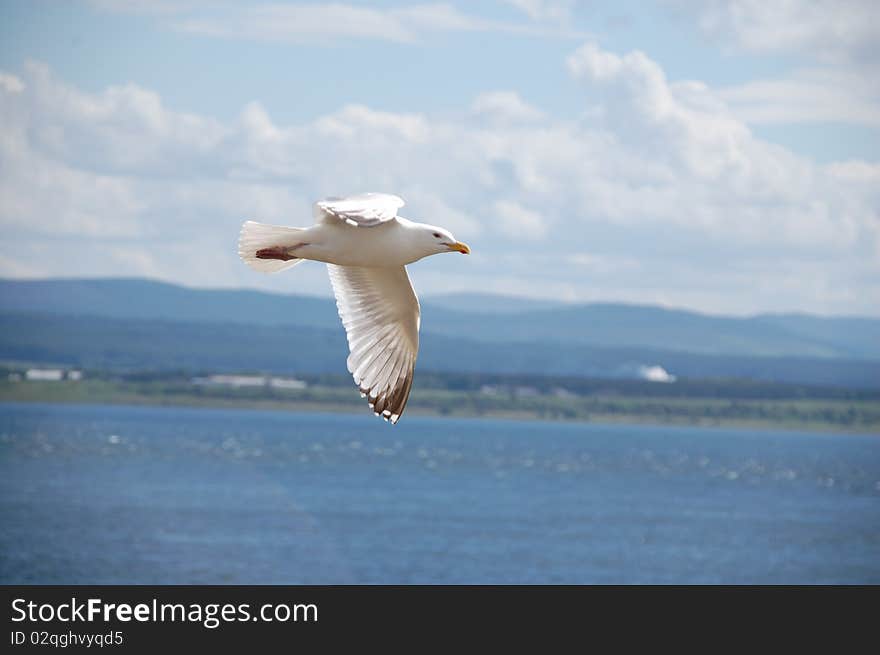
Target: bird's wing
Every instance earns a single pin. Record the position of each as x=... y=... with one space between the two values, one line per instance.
x=380 y=312
x=364 y=210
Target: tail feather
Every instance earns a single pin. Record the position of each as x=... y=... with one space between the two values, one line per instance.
x=259 y=236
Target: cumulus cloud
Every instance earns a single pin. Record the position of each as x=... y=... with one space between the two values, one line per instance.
x=658 y=193
x=505 y=106
x=723 y=179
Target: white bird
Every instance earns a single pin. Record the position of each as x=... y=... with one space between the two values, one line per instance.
x=366 y=247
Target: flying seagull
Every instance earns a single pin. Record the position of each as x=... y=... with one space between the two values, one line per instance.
x=366 y=247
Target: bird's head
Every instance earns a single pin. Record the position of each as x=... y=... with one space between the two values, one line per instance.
x=436 y=240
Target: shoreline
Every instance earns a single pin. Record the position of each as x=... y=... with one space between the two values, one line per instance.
x=341 y=402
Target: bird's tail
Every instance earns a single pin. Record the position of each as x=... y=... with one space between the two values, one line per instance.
x=264 y=247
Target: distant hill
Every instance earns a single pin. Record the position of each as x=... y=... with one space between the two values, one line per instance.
x=853 y=336
x=487 y=303
x=149 y=299
x=616 y=325
x=157 y=345
x=475 y=317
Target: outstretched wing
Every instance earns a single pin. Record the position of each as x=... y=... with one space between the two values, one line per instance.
x=364 y=210
x=380 y=312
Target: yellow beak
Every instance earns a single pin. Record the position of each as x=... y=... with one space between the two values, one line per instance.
x=458 y=246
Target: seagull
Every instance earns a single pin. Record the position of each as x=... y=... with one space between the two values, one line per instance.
x=366 y=247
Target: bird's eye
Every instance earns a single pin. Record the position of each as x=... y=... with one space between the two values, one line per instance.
x=436 y=235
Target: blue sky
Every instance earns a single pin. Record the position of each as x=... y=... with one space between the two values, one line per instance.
x=720 y=156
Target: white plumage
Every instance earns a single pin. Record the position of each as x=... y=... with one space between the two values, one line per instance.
x=364 y=210
x=366 y=246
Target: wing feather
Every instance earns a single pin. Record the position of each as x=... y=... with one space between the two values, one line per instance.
x=380 y=313
x=363 y=210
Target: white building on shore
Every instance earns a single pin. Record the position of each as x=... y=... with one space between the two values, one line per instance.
x=240 y=381
x=49 y=375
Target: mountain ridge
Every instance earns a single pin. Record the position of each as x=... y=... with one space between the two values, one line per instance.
x=610 y=325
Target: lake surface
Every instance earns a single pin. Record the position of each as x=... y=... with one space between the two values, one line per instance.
x=104 y=495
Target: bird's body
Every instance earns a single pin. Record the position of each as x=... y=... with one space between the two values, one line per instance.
x=366 y=247
x=386 y=244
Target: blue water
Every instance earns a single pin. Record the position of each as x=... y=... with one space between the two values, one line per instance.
x=98 y=494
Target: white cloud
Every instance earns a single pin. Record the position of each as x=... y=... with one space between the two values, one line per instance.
x=10 y=83
x=505 y=106
x=302 y=24
x=838 y=40
x=557 y=11
x=807 y=96
x=125 y=128
x=357 y=120
x=829 y=30
x=726 y=181
x=795 y=101
x=153 y=7
x=321 y=23
x=603 y=265
x=657 y=194
x=518 y=223
x=857 y=172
